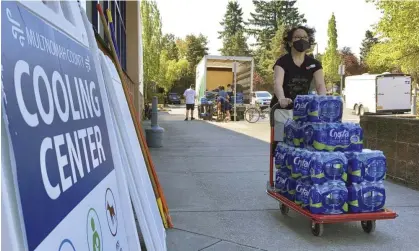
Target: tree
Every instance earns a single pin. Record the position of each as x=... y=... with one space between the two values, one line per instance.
x=266 y=25
x=398 y=34
x=269 y=15
x=151 y=35
x=268 y=57
x=171 y=70
x=352 y=65
x=196 y=50
x=169 y=44
x=232 y=21
x=234 y=39
x=366 y=45
x=191 y=50
x=319 y=57
x=277 y=46
x=235 y=45
x=331 y=58
x=182 y=47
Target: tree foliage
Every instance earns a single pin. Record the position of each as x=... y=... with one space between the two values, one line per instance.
x=366 y=45
x=196 y=49
x=151 y=35
x=398 y=33
x=331 y=58
x=267 y=24
x=171 y=70
x=169 y=44
x=233 y=33
x=351 y=62
x=269 y=15
x=235 y=45
x=232 y=21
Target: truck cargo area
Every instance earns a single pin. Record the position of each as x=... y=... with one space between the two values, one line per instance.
x=215 y=71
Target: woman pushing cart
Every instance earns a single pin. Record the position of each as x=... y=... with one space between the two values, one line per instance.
x=293 y=74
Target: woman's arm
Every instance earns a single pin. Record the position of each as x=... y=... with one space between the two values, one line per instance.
x=279 y=81
x=319 y=80
x=278 y=87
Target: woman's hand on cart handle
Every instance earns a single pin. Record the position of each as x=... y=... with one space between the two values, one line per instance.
x=284 y=102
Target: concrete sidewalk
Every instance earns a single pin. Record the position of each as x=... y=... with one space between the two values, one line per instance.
x=214 y=181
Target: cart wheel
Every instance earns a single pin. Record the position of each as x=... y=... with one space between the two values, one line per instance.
x=361 y=111
x=368 y=226
x=284 y=209
x=317 y=229
x=356 y=109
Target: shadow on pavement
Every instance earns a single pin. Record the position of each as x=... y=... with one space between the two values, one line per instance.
x=214 y=180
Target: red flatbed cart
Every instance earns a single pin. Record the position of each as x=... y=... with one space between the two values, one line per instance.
x=367 y=219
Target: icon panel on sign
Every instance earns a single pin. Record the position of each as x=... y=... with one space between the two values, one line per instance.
x=111 y=212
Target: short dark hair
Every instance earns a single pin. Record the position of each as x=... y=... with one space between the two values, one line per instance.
x=288 y=35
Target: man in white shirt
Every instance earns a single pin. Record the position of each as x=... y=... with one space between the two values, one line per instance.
x=190 y=96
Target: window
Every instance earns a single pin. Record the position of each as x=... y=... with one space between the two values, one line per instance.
x=118 y=11
x=264 y=95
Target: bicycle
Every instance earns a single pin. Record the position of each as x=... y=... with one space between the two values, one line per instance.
x=253 y=114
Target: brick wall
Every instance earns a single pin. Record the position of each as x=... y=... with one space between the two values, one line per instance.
x=398 y=138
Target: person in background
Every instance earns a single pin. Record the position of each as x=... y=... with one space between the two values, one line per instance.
x=293 y=74
x=190 y=96
x=223 y=103
x=230 y=88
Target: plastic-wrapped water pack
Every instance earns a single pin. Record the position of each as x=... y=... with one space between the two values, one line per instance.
x=366 y=197
x=281 y=177
x=293 y=133
x=326 y=166
x=325 y=109
x=281 y=152
x=332 y=137
x=302 y=192
x=301 y=106
x=329 y=198
x=368 y=165
x=285 y=185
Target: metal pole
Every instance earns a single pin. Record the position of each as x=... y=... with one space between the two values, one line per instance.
x=341 y=84
x=414 y=97
x=235 y=91
x=154 y=104
x=251 y=75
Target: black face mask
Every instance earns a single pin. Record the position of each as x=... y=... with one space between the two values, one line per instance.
x=301 y=45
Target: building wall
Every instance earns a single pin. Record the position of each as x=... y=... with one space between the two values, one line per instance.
x=398 y=138
x=127 y=23
x=134 y=49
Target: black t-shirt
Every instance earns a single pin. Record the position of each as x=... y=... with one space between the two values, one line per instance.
x=297 y=80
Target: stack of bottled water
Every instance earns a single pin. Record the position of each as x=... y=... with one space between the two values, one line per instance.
x=322 y=165
x=367 y=170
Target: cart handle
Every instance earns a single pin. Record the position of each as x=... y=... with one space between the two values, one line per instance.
x=271 y=117
x=272 y=113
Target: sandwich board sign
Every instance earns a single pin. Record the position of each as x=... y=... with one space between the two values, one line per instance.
x=62 y=163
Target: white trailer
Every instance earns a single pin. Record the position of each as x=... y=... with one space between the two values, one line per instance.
x=378 y=93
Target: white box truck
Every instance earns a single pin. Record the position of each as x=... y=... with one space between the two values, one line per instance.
x=378 y=93
x=214 y=71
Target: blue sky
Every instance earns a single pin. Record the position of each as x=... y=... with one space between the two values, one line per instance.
x=353 y=18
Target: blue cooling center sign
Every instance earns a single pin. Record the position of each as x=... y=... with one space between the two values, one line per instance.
x=55 y=119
